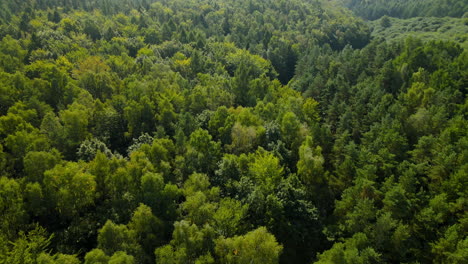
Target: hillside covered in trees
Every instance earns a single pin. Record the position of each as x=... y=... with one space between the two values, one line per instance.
x=374 y=9
x=232 y=131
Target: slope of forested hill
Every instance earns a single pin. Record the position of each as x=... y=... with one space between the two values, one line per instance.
x=424 y=28
x=374 y=9
x=229 y=131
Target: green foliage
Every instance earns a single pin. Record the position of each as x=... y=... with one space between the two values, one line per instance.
x=451 y=247
x=58 y=258
x=147 y=229
x=310 y=164
x=257 y=246
x=424 y=28
x=202 y=152
x=115 y=238
x=38 y=162
x=69 y=190
x=96 y=256
x=121 y=257
x=228 y=217
x=28 y=247
x=354 y=250
x=188 y=245
x=405 y=9
x=12 y=208
x=265 y=170
x=11 y=54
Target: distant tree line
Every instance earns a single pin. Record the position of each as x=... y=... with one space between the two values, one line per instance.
x=375 y=9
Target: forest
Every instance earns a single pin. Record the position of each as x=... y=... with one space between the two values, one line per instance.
x=233 y=131
x=374 y=9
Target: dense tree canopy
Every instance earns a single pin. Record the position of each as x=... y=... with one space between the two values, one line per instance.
x=409 y=8
x=233 y=131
